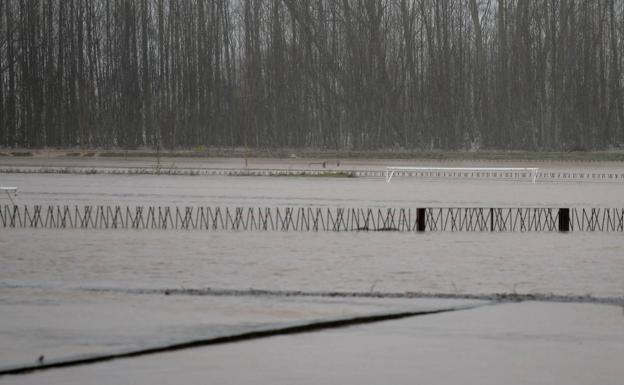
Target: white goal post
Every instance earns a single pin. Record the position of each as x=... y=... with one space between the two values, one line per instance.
x=8 y=191
x=391 y=170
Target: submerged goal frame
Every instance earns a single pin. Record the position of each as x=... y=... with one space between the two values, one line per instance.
x=8 y=191
x=389 y=173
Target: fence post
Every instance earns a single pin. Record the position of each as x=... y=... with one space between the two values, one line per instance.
x=564 y=220
x=420 y=220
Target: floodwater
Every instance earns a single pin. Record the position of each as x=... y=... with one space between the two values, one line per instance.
x=299 y=191
x=516 y=344
x=472 y=263
x=98 y=274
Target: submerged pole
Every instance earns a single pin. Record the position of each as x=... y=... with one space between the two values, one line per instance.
x=564 y=220
x=420 y=220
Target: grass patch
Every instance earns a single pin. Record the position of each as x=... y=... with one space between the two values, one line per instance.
x=208 y=152
x=200 y=149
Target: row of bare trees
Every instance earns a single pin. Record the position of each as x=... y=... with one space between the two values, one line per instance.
x=337 y=74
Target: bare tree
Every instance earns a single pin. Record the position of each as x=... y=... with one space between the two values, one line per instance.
x=347 y=74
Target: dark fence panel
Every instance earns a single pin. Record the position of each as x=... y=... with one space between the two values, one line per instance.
x=454 y=219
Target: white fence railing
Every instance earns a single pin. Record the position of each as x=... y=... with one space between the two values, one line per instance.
x=532 y=171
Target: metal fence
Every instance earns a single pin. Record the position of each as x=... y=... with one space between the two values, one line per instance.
x=454 y=219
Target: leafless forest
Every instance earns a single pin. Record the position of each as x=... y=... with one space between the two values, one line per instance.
x=335 y=74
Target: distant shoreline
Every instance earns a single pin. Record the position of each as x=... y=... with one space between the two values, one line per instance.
x=573 y=156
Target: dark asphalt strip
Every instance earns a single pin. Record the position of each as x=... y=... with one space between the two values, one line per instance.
x=279 y=331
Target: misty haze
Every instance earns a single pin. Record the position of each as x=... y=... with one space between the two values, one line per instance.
x=311 y=192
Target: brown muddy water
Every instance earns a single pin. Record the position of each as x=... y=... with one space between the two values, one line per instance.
x=42 y=268
x=575 y=263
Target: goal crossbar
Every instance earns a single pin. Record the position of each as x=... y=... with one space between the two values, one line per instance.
x=8 y=191
x=389 y=173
